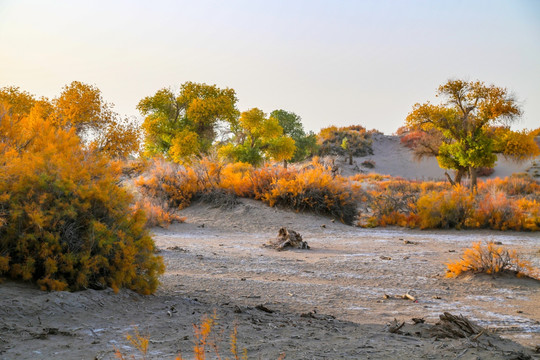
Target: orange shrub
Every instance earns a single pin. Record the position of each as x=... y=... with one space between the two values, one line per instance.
x=66 y=222
x=490 y=259
x=315 y=189
x=156 y=214
x=170 y=183
x=496 y=210
x=446 y=209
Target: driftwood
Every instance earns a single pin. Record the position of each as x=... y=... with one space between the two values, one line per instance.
x=287 y=238
x=394 y=326
x=449 y=327
x=406 y=296
x=455 y=327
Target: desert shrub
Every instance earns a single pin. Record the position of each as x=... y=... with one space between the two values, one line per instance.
x=359 y=142
x=315 y=189
x=446 y=209
x=66 y=223
x=169 y=183
x=484 y=171
x=496 y=210
x=369 y=178
x=157 y=214
x=516 y=185
x=219 y=198
x=490 y=259
x=370 y=164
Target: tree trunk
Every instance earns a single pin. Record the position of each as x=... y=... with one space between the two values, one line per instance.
x=459 y=176
x=452 y=182
x=350 y=158
x=285 y=164
x=474 y=185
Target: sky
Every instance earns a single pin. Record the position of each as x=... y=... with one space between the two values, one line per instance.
x=335 y=62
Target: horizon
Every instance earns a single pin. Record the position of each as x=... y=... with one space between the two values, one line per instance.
x=348 y=63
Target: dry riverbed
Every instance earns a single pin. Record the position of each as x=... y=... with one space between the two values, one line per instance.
x=333 y=301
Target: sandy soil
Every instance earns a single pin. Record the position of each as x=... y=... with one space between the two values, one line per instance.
x=327 y=302
x=391 y=158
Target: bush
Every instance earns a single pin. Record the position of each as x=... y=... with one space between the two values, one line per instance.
x=311 y=189
x=446 y=209
x=66 y=223
x=359 y=142
x=157 y=214
x=169 y=183
x=315 y=189
x=490 y=259
x=370 y=164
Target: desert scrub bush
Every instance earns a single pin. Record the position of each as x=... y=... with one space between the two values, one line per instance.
x=316 y=189
x=66 y=223
x=358 y=141
x=496 y=210
x=491 y=259
x=169 y=183
x=515 y=185
x=370 y=164
x=157 y=214
x=445 y=209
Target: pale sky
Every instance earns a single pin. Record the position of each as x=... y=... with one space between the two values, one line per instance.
x=331 y=62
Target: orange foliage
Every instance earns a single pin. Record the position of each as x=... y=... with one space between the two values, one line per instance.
x=317 y=190
x=157 y=214
x=501 y=204
x=490 y=259
x=169 y=183
x=66 y=224
x=311 y=189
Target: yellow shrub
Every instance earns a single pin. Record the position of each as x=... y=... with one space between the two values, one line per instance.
x=490 y=259
x=170 y=183
x=67 y=224
x=316 y=189
x=446 y=209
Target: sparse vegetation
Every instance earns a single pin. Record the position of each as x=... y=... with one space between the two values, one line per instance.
x=206 y=341
x=490 y=259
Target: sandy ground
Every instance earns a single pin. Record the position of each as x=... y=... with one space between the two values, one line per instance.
x=391 y=158
x=327 y=302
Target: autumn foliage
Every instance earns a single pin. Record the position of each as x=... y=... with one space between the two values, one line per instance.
x=65 y=223
x=501 y=204
x=312 y=189
x=490 y=259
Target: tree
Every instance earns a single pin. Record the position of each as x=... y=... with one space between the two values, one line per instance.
x=258 y=138
x=20 y=102
x=82 y=108
x=306 y=144
x=197 y=109
x=460 y=131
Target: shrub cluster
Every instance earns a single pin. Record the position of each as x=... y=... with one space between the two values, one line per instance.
x=358 y=140
x=491 y=259
x=502 y=204
x=65 y=223
x=313 y=188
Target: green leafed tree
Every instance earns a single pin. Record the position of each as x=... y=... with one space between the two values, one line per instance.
x=468 y=129
x=173 y=121
x=306 y=143
x=257 y=138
